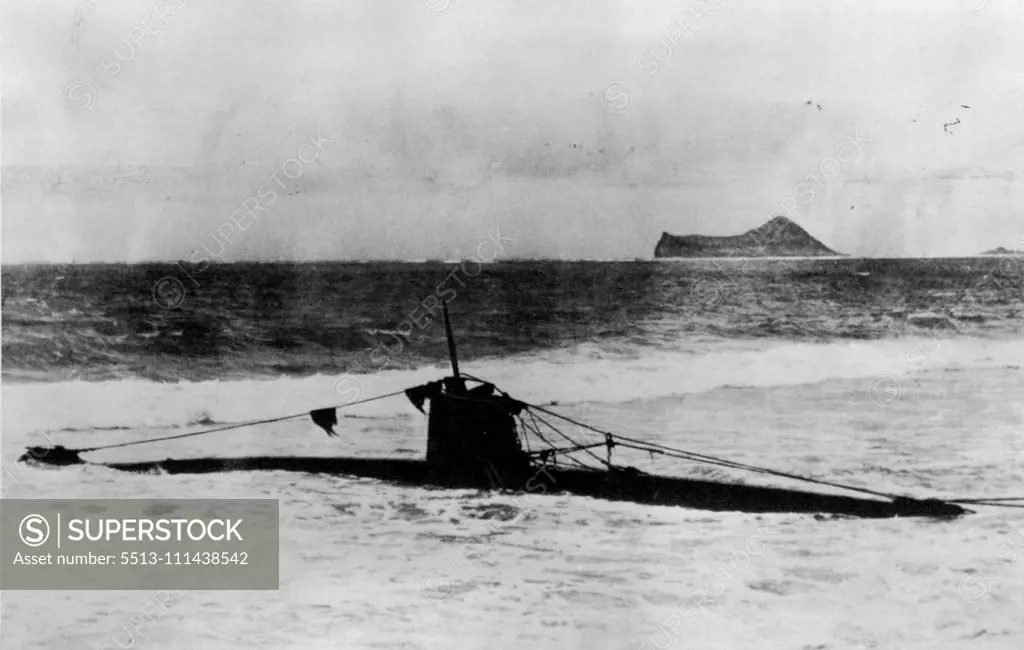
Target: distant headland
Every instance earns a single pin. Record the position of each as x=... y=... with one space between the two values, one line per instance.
x=779 y=237
x=1002 y=251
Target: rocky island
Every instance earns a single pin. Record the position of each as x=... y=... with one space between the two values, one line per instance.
x=1002 y=251
x=779 y=237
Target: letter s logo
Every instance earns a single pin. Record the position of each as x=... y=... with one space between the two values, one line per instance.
x=34 y=530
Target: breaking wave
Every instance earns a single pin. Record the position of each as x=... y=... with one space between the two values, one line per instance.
x=586 y=373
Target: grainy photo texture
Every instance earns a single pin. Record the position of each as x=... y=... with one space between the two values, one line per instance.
x=434 y=324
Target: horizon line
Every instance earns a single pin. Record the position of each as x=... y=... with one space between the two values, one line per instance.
x=503 y=261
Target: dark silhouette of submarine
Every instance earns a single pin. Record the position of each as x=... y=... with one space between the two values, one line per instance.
x=473 y=442
x=616 y=484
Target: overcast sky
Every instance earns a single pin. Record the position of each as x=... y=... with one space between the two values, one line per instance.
x=440 y=122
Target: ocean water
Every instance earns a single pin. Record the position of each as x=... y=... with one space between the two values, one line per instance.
x=900 y=375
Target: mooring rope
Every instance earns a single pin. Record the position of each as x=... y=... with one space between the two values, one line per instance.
x=650 y=447
x=718 y=461
x=556 y=430
x=996 y=502
x=240 y=425
x=552 y=451
x=611 y=440
x=973 y=500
